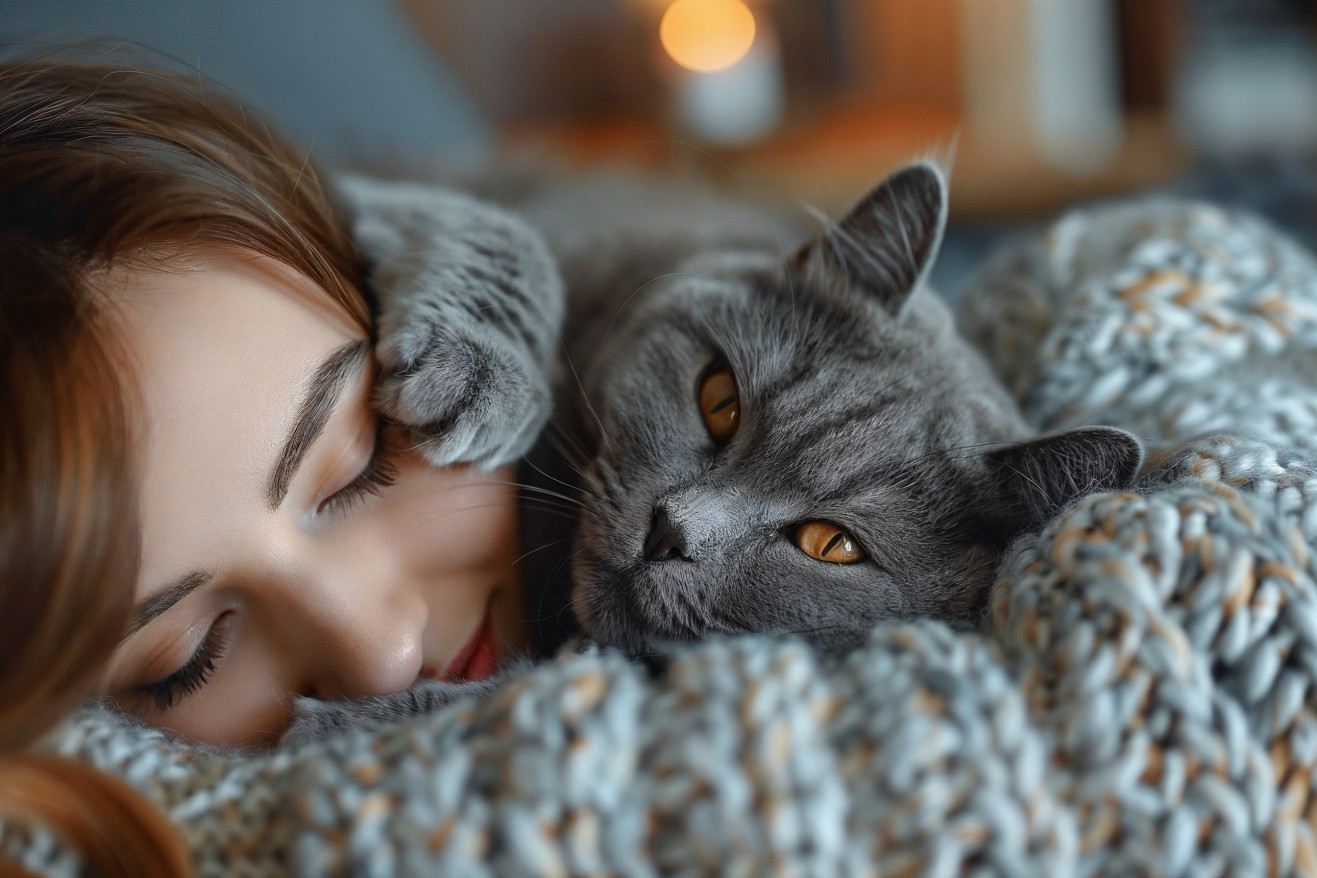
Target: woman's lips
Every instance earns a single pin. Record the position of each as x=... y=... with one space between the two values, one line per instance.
x=477 y=658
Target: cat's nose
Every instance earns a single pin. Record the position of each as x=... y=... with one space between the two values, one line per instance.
x=665 y=542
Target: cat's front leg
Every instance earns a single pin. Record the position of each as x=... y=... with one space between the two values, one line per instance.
x=315 y=719
x=470 y=306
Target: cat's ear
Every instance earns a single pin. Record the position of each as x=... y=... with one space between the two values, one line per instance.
x=887 y=243
x=1039 y=477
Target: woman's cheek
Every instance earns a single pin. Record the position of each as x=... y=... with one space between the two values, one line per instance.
x=458 y=529
x=456 y=519
x=246 y=703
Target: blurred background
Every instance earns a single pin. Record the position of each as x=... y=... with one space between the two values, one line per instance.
x=1041 y=103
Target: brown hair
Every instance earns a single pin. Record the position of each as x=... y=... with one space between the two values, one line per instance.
x=102 y=166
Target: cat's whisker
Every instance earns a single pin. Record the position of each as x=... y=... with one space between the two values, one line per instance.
x=462 y=510
x=548 y=545
x=544 y=492
x=569 y=604
x=580 y=489
x=617 y=313
x=575 y=468
x=571 y=511
x=575 y=451
x=548 y=496
x=603 y=434
x=574 y=456
x=549 y=507
x=545 y=495
x=540 y=489
x=541 y=506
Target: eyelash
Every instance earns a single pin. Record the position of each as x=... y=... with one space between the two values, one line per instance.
x=195 y=673
x=380 y=472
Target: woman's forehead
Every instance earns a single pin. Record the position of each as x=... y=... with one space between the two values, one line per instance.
x=222 y=351
x=140 y=285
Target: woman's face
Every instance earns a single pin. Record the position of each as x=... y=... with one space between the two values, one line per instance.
x=290 y=545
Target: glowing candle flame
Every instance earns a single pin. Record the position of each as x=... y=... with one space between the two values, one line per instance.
x=707 y=35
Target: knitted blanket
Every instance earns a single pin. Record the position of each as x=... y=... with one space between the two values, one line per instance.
x=1141 y=701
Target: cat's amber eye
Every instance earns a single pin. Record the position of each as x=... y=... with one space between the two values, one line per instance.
x=825 y=541
x=719 y=403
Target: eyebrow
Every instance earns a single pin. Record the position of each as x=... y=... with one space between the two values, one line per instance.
x=322 y=394
x=166 y=598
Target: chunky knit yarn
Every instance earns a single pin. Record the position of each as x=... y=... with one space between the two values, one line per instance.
x=1142 y=700
x=1164 y=318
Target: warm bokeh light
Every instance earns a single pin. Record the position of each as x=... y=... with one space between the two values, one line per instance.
x=707 y=35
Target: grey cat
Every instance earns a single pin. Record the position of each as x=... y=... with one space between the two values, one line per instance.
x=769 y=439
x=865 y=463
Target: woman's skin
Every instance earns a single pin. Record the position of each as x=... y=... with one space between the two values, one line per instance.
x=290 y=585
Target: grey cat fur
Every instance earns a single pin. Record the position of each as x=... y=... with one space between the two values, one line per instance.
x=315 y=719
x=861 y=406
x=470 y=308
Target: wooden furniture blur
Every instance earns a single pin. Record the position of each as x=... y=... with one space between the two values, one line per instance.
x=871 y=84
x=838 y=156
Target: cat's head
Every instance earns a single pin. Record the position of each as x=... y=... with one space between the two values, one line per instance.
x=804 y=444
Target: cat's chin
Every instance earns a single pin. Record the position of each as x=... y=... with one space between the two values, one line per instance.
x=607 y=620
x=612 y=621
x=631 y=607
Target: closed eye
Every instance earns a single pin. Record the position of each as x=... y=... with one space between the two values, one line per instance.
x=195 y=672
x=380 y=472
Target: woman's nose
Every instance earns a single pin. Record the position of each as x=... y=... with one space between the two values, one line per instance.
x=349 y=634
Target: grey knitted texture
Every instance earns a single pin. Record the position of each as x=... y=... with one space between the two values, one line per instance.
x=1142 y=701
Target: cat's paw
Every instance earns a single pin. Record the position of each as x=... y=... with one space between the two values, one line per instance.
x=470 y=301
x=469 y=395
